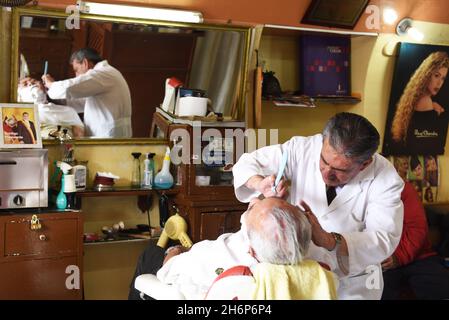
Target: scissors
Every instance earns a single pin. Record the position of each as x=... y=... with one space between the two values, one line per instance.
x=281 y=170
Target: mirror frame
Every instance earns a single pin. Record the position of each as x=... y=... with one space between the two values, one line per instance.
x=57 y=13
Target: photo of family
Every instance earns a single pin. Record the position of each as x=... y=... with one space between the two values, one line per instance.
x=422 y=172
x=20 y=127
x=417 y=118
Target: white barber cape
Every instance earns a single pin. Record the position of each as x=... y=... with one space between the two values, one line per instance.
x=368 y=210
x=107 y=108
x=193 y=272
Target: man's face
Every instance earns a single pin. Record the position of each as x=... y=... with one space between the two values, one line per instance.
x=336 y=169
x=25 y=116
x=80 y=67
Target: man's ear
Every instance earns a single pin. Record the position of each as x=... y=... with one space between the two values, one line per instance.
x=366 y=163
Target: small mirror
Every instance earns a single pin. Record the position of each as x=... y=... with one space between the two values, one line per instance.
x=211 y=58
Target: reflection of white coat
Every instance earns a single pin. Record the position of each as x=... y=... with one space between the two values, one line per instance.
x=367 y=211
x=107 y=110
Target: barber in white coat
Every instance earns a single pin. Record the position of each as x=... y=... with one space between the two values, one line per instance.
x=102 y=89
x=362 y=225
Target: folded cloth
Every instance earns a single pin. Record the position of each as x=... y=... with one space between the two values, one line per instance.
x=304 y=281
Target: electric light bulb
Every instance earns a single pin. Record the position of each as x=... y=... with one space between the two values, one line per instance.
x=389 y=15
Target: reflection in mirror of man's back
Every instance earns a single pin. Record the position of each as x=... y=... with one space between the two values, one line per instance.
x=146 y=55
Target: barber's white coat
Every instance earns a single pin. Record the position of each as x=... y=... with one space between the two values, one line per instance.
x=107 y=109
x=368 y=211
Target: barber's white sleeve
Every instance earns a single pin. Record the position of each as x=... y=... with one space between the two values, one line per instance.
x=82 y=86
x=383 y=226
x=264 y=162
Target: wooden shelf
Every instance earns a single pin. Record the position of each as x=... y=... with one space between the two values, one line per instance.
x=124 y=191
x=337 y=100
x=91 y=243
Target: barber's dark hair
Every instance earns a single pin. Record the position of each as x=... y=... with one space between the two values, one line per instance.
x=414 y=162
x=352 y=135
x=86 y=53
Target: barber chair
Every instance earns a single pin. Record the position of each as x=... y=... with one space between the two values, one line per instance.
x=150 y=285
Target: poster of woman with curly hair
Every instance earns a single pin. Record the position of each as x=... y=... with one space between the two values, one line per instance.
x=418 y=113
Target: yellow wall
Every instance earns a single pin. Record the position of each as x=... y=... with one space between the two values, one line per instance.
x=109 y=267
x=372 y=62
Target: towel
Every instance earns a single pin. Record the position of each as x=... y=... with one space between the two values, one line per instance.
x=304 y=281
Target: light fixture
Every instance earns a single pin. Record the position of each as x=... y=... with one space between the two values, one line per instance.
x=140 y=12
x=405 y=27
x=389 y=15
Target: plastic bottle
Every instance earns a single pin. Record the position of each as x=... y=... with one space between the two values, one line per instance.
x=164 y=179
x=135 y=177
x=61 y=199
x=148 y=171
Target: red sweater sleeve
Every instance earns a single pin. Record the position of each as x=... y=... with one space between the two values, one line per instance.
x=414 y=232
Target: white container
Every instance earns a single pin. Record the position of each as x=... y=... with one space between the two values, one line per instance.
x=192 y=106
x=69 y=183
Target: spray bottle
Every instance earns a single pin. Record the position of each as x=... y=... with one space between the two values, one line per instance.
x=61 y=199
x=164 y=179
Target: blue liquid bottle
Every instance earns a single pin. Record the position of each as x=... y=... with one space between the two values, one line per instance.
x=164 y=179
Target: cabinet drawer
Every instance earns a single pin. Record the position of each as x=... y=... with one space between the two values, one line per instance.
x=57 y=236
x=214 y=224
x=40 y=279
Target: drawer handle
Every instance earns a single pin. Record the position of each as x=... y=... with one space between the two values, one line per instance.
x=42 y=237
x=35 y=223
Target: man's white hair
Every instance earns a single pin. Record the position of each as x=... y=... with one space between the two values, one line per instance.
x=283 y=238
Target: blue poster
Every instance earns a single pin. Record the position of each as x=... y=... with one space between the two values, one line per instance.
x=325 y=65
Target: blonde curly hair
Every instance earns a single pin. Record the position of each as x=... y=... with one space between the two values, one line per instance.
x=415 y=89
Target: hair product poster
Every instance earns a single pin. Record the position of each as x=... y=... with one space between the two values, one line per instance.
x=418 y=113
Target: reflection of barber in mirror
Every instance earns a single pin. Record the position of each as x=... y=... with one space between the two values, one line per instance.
x=102 y=89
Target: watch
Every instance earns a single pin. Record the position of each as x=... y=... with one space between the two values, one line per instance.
x=338 y=239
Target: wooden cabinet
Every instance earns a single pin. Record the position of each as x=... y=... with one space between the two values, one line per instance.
x=42 y=262
x=210 y=210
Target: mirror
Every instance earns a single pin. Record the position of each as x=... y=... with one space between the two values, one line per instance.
x=212 y=58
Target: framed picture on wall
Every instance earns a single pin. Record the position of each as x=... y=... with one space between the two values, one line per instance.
x=20 y=126
x=418 y=112
x=333 y=13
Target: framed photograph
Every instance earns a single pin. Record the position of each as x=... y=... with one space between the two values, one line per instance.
x=332 y=13
x=20 y=126
x=418 y=114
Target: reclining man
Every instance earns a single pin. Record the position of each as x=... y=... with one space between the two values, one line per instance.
x=274 y=238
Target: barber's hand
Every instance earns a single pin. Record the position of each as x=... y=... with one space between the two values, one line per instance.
x=47 y=80
x=265 y=187
x=390 y=263
x=320 y=237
